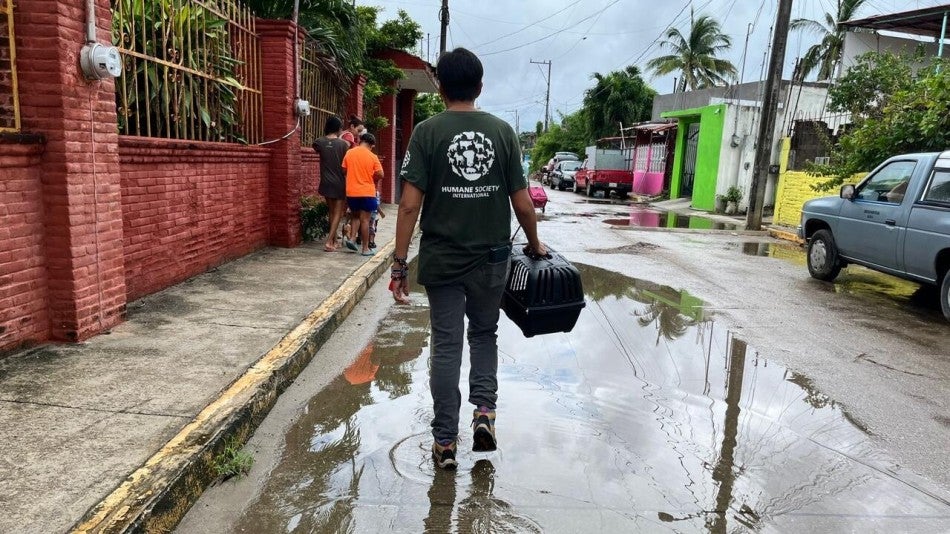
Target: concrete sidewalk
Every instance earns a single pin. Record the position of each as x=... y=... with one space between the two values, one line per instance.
x=119 y=433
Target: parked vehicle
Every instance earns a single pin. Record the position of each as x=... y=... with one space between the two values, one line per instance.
x=552 y=163
x=562 y=177
x=896 y=220
x=605 y=169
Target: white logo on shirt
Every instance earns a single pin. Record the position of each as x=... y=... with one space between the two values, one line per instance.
x=405 y=164
x=471 y=155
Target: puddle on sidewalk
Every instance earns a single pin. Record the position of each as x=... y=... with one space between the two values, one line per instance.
x=649 y=416
x=646 y=218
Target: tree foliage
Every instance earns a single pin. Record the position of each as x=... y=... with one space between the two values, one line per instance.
x=352 y=35
x=895 y=111
x=824 y=56
x=695 y=55
x=570 y=135
x=619 y=97
x=427 y=105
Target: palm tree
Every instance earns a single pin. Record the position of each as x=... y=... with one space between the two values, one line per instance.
x=618 y=97
x=695 y=55
x=826 y=54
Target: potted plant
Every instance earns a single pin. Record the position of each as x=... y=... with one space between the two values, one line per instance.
x=731 y=199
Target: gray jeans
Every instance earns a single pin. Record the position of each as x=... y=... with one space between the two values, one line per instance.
x=476 y=296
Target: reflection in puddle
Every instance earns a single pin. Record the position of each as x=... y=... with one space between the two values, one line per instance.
x=646 y=218
x=791 y=252
x=647 y=417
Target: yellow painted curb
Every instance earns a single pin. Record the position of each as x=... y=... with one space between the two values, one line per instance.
x=156 y=496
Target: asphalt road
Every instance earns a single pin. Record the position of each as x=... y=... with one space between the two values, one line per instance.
x=709 y=385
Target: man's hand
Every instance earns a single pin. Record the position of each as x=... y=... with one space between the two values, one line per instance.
x=536 y=252
x=399 y=283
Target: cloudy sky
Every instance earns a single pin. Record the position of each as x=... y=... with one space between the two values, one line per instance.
x=581 y=37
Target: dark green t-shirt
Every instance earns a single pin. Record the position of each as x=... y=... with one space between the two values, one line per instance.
x=467 y=163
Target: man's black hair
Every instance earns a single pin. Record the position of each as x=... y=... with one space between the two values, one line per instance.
x=460 y=75
x=333 y=125
x=368 y=138
x=355 y=121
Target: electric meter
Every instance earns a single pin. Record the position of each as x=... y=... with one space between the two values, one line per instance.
x=100 y=61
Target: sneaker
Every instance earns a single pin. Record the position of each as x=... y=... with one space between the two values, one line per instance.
x=483 y=421
x=444 y=455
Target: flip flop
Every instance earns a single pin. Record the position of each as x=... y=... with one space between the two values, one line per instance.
x=328 y=248
x=368 y=253
x=351 y=245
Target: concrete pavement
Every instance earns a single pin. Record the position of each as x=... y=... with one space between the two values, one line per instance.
x=120 y=432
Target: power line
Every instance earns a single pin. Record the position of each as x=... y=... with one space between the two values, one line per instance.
x=547 y=36
x=532 y=24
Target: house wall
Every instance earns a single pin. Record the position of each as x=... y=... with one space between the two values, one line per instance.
x=859 y=43
x=794 y=188
x=712 y=121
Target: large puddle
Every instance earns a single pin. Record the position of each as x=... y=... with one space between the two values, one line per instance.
x=647 y=218
x=648 y=417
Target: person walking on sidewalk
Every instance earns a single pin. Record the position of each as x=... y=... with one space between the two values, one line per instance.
x=463 y=170
x=332 y=187
x=363 y=171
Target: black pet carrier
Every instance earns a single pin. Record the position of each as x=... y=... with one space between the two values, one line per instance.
x=542 y=295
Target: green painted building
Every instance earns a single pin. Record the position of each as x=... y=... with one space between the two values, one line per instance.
x=696 y=157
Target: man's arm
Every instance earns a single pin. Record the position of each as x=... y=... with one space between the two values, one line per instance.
x=409 y=205
x=524 y=212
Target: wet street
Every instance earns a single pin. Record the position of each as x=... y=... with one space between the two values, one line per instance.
x=708 y=386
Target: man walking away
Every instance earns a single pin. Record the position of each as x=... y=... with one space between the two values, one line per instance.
x=463 y=170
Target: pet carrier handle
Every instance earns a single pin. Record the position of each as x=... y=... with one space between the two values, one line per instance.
x=527 y=248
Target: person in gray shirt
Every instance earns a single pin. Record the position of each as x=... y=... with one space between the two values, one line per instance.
x=331 y=149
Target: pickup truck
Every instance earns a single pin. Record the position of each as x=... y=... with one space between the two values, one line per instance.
x=896 y=220
x=589 y=180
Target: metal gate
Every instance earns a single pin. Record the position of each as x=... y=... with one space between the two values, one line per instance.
x=689 y=160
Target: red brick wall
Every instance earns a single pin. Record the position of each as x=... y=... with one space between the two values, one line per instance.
x=80 y=171
x=189 y=206
x=311 y=170
x=23 y=310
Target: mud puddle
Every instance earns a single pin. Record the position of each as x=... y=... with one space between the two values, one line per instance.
x=645 y=218
x=649 y=416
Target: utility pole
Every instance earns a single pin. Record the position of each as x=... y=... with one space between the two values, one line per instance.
x=517 y=121
x=763 y=147
x=444 y=19
x=547 y=98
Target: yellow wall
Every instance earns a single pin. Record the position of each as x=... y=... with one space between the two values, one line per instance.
x=794 y=189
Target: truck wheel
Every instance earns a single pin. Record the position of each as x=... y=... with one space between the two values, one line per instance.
x=945 y=295
x=823 y=261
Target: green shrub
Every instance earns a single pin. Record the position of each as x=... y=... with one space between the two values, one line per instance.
x=314 y=218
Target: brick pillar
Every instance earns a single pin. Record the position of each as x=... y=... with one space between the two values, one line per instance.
x=407 y=107
x=386 y=147
x=80 y=166
x=285 y=185
x=354 y=101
